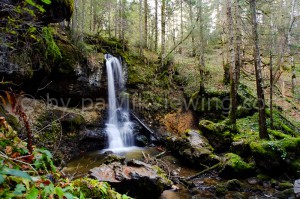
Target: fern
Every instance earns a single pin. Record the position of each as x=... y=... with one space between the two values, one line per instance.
x=52 y=48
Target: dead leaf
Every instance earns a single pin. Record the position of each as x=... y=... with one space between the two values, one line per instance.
x=8 y=150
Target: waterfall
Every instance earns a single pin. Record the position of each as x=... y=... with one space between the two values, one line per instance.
x=119 y=128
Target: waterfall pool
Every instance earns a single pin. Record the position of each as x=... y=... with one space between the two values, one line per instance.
x=80 y=166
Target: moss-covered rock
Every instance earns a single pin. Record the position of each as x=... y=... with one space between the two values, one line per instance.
x=193 y=148
x=219 y=134
x=235 y=167
x=295 y=167
x=234 y=185
x=275 y=157
x=221 y=190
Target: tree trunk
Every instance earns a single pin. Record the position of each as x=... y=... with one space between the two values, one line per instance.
x=109 y=19
x=202 y=41
x=233 y=91
x=163 y=33
x=116 y=19
x=146 y=23
x=192 y=34
x=75 y=20
x=289 y=38
x=120 y=24
x=263 y=133
x=271 y=90
x=181 y=24
x=91 y=19
x=238 y=57
x=82 y=16
x=156 y=26
x=225 y=45
x=123 y=8
x=141 y=28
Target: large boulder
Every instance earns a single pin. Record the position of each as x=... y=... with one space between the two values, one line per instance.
x=193 y=148
x=297 y=188
x=137 y=179
x=235 y=167
x=219 y=135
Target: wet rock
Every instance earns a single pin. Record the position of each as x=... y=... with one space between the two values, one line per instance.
x=92 y=139
x=288 y=193
x=110 y=158
x=235 y=167
x=234 y=185
x=297 y=189
x=137 y=178
x=241 y=148
x=141 y=140
x=284 y=185
x=238 y=195
x=193 y=148
x=221 y=190
x=253 y=181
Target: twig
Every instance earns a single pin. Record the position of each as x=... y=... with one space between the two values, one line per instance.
x=16 y=160
x=161 y=154
x=202 y=172
x=58 y=119
x=58 y=145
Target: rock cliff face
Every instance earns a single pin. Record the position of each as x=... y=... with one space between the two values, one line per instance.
x=55 y=12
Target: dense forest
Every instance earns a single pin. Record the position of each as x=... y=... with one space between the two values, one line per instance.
x=149 y=99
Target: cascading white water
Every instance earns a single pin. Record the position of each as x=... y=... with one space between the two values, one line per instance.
x=119 y=128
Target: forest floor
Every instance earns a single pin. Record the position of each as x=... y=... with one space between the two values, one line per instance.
x=283 y=100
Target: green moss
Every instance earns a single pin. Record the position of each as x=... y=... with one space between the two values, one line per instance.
x=274 y=148
x=52 y=50
x=284 y=185
x=95 y=189
x=70 y=58
x=235 y=167
x=237 y=163
x=221 y=190
x=295 y=167
x=234 y=185
x=278 y=134
x=281 y=123
x=163 y=176
x=263 y=177
x=219 y=134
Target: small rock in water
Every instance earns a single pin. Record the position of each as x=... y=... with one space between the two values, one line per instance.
x=175 y=188
x=266 y=184
x=297 y=189
x=252 y=181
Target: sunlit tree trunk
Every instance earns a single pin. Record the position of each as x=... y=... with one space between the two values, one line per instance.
x=289 y=38
x=82 y=15
x=192 y=21
x=92 y=15
x=201 y=46
x=141 y=28
x=146 y=23
x=109 y=19
x=75 y=19
x=263 y=133
x=181 y=24
x=163 y=32
x=233 y=91
x=156 y=26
